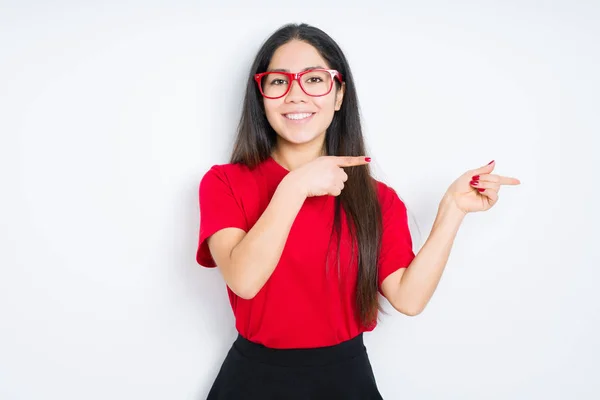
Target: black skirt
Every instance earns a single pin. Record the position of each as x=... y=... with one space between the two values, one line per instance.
x=253 y=371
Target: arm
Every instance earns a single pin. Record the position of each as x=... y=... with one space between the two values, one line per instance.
x=410 y=289
x=247 y=260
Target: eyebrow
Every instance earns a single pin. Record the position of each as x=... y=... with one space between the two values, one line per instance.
x=287 y=70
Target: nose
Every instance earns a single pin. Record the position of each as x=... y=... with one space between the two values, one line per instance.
x=296 y=94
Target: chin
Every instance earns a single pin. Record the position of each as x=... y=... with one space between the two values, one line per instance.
x=300 y=138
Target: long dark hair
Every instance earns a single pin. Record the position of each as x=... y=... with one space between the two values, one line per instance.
x=256 y=139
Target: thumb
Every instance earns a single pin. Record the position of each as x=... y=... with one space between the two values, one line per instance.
x=487 y=168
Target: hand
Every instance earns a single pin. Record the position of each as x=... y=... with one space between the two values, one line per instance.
x=324 y=175
x=477 y=190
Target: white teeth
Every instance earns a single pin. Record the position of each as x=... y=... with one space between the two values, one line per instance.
x=298 y=116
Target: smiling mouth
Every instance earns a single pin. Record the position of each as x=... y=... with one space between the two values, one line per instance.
x=298 y=116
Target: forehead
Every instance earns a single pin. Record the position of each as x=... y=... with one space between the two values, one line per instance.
x=295 y=56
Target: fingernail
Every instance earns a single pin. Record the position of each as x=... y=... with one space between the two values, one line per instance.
x=475 y=178
x=368 y=159
x=491 y=162
x=474 y=183
x=480 y=189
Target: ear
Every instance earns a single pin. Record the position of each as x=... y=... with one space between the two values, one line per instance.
x=339 y=96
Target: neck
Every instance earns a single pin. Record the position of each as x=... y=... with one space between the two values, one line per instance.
x=292 y=156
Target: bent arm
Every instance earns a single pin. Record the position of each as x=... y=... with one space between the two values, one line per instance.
x=247 y=260
x=410 y=289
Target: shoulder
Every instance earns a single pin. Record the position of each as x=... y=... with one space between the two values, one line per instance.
x=227 y=170
x=388 y=197
x=227 y=174
x=383 y=190
x=385 y=193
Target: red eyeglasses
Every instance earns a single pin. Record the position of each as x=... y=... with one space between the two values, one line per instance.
x=313 y=82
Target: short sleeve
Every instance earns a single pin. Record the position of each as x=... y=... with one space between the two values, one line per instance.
x=396 y=243
x=219 y=209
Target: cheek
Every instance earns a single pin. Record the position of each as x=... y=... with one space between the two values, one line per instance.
x=271 y=111
x=325 y=104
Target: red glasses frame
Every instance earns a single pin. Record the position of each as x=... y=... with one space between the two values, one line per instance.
x=295 y=76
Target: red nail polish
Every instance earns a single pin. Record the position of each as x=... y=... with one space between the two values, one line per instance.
x=475 y=178
x=491 y=162
x=480 y=189
x=368 y=159
x=474 y=183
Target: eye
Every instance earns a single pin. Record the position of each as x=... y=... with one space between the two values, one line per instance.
x=314 y=79
x=278 y=82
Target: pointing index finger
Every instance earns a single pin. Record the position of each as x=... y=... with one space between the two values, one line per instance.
x=505 y=180
x=349 y=161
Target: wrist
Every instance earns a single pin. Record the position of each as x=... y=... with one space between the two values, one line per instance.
x=449 y=208
x=290 y=185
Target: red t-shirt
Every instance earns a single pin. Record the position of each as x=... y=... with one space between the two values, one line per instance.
x=301 y=305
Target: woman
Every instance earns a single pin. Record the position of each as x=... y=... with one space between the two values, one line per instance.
x=305 y=238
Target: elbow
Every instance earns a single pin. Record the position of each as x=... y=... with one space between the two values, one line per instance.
x=244 y=288
x=243 y=295
x=241 y=280
x=411 y=310
x=241 y=285
x=243 y=291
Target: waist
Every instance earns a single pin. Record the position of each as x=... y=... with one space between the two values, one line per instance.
x=341 y=352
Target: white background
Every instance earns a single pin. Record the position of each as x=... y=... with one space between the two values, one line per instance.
x=111 y=112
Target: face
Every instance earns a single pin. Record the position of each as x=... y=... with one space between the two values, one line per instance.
x=315 y=113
